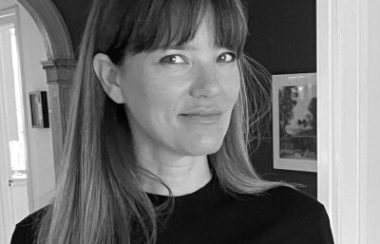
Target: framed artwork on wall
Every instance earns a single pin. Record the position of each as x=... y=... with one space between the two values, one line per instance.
x=39 y=109
x=295 y=122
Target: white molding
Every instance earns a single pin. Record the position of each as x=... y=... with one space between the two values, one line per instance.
x=324 y=94
x=363 y=118
x=8 y=18
x=6 y=213
x=14 y=19
x=342 y=115
x=25 y=103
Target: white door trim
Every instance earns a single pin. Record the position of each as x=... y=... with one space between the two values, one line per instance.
x=342 y=32
x=7 y=18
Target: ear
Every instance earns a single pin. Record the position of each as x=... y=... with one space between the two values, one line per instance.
x=106 y=71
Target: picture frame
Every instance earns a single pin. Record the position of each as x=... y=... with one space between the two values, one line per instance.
x=39 y=109
x=295 y=122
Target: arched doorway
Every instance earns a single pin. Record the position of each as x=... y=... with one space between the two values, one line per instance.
x=59 y=66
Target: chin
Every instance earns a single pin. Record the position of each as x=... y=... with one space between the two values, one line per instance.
x=203 y=147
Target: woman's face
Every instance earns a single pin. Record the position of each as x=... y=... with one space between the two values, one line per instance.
x=180 y=100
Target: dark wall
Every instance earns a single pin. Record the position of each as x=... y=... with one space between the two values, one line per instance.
x=282 y=38
x=74 y=14
x=283 y=35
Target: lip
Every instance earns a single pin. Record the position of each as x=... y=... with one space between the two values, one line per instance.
x=202 y=111
x=202 y=115
x=202 y=118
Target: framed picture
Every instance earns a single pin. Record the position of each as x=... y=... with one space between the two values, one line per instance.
x=39 y=109
x=295 y=122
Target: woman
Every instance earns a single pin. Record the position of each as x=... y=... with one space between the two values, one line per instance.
x=156 y=150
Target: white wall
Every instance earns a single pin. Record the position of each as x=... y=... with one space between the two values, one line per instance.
x=39 y=141
x=349 y=117
x=373 y=179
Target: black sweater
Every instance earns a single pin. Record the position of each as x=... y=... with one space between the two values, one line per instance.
x=281 y=215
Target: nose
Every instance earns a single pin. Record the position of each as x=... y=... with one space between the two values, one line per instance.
x=206 y=83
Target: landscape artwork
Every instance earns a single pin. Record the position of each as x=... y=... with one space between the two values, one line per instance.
x=295 y=121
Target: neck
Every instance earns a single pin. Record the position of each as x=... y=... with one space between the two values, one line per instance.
x=183 y=175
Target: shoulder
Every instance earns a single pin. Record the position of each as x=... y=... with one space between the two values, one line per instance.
x=25 y=230
x=33 y=218
x=296 y=216
x=293 y=198
x=280 y=204
x=292 y=203
x=283 y=198
x=283 y=213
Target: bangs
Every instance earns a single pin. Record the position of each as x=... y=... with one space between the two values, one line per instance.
x=160 y=24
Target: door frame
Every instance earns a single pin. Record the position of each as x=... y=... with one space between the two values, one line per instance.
x=7 y=211
x=342 y=54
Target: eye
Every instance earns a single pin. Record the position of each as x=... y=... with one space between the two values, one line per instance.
x=173 y=59
x=226 y=57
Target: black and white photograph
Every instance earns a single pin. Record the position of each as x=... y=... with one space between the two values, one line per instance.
x=189 y=121
x=295 y=121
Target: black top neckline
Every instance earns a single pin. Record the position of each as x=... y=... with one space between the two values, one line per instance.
x=189 y=195
x=205 y=197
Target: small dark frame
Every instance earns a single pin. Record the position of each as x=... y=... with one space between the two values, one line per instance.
x=39 y=109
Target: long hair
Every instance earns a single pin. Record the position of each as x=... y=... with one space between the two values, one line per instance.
x=99 y=198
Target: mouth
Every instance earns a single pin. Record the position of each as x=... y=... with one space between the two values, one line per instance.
x=202 y=118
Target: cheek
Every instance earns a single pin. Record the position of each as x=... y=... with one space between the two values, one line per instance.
x=230 y=81
x=149 y=97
